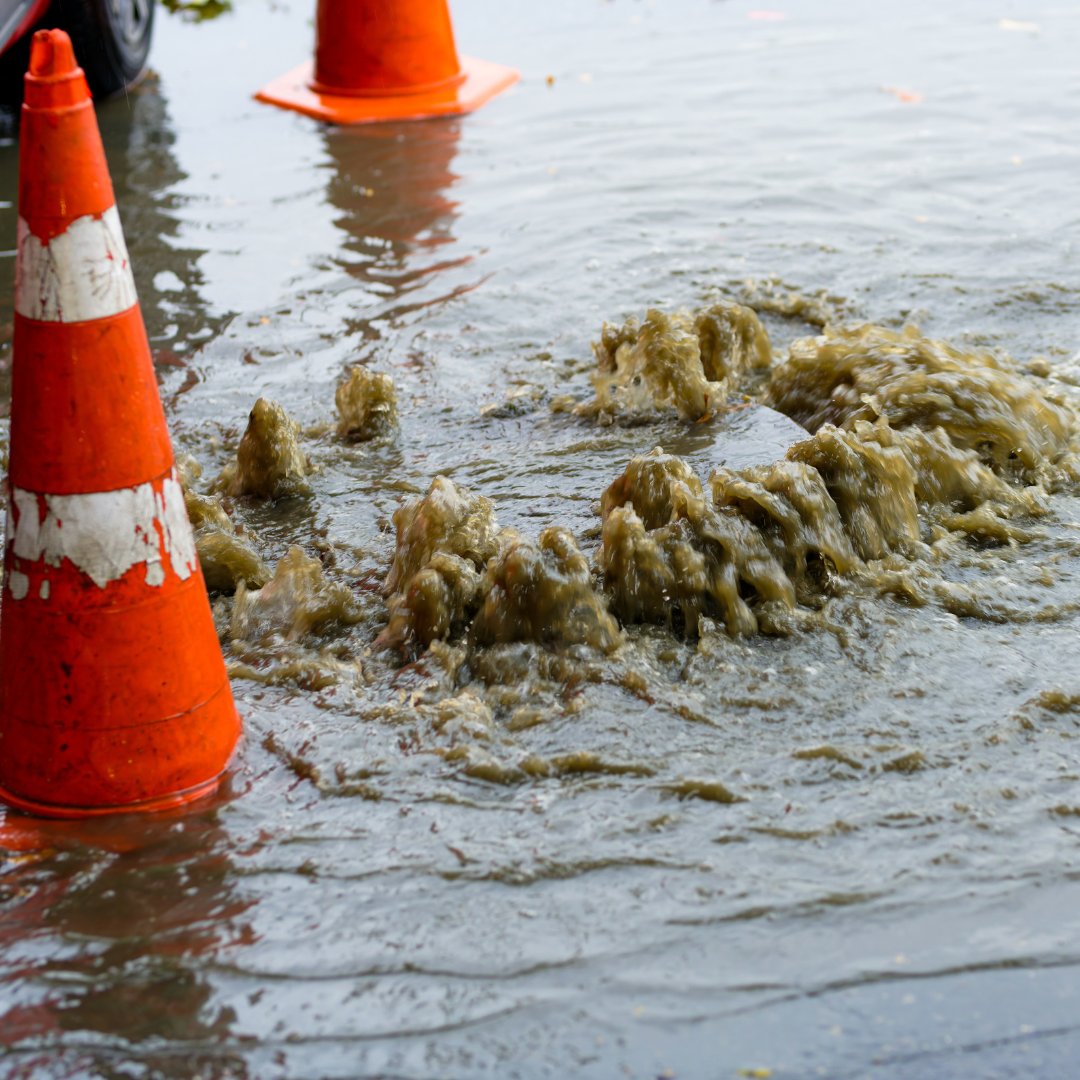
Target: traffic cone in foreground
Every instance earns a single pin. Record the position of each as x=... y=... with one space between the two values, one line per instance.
x=386 y=60
x=113 y=691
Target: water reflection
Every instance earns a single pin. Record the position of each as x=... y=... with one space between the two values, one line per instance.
x=392 y=184
x=132 y=908
x=140 y=142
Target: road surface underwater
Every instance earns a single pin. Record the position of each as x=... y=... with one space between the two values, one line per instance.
x=641 y=520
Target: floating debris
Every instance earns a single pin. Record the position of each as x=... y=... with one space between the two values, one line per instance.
x=907 y=97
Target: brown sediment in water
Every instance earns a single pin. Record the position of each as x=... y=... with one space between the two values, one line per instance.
x=454 y=569
x=269 y=461
x=443 y=542
x=298 y=600
x=760 y=549
x=827 y=753
x=448 y=520
x=435 y=603
x=912 y=441
x=689 y=363
x=768 y=544
x=912 y=445
x=790 y=505
x=505 y=667
x=226 y=557
x=482 y=764
x=697 y=563
x=542 y=592
x=707 y=790
x=681 y=362
x=366 y=405
x=228 y=560
x=648 y=486
x=312 y=673
x=953 y=488
x=870 y=485
x=773 y=297
x=982 y=403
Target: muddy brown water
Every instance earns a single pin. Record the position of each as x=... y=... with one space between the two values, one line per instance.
x=848 y=851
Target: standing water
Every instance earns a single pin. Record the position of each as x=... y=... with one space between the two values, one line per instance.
x=743 y=758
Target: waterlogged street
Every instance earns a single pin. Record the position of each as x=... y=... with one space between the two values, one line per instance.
x=739 y=760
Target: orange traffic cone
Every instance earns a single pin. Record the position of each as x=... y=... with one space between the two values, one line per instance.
x=386 y=60
x=113 y=692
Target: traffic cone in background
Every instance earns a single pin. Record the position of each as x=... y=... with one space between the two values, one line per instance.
x=113 y=691
x=386 y=60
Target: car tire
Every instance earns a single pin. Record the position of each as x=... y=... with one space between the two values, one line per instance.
x=111 y=39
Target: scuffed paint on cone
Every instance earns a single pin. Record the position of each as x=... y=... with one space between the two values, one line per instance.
x=113 y=690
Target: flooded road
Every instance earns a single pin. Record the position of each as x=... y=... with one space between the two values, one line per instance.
x=850 y=850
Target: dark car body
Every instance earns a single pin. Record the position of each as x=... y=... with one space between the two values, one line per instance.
x=111 y=39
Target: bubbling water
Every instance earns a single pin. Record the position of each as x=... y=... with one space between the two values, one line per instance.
x=682 y=362
x=911 y=443
x=454 y=568
x=366 y=405
x=913 y=448
x=270 y=462
x=979 y=401
x=227 y=558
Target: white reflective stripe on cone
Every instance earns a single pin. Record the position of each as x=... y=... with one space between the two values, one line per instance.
x=105 y=533
x=82 y=274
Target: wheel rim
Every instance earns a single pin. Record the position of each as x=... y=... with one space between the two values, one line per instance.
x=132 y=19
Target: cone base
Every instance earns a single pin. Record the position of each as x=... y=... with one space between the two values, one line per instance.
x=483 y=80
x=160 y=803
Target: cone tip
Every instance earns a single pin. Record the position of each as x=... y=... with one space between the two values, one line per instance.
x=51 y=55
